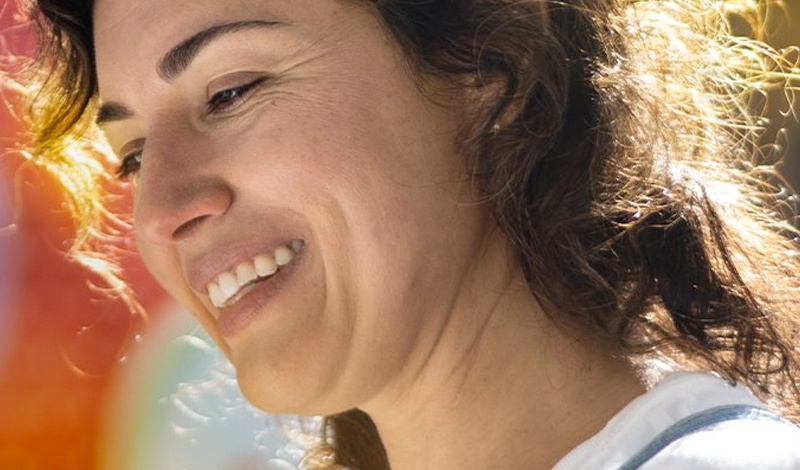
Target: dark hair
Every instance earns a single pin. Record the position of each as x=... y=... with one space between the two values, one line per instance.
x=617 y=146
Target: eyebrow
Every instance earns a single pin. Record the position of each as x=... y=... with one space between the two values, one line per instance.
x=181 y=56
x=178 y=59
x=111 y=112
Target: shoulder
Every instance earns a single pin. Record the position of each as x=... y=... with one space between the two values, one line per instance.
x=649 y=423
x=734 y=445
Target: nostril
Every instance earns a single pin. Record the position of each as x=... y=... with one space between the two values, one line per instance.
x=168 y=210
x=187 y=228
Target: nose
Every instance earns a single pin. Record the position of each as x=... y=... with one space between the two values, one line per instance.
x=178 y=192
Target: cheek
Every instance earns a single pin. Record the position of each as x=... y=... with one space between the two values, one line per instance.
x=163 y=264
x=157 y=262
x=153 y=261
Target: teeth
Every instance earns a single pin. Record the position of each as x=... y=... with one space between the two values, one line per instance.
x=283 y=255
x=297 y=245
x=265 y=265
x=215 y=293
x=245 y=273
x=230 y=284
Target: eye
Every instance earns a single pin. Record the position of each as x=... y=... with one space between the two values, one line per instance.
x=229 y=98
x=131 y=159
x=130 y=165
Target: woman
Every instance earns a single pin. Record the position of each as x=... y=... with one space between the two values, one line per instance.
x=471 y=233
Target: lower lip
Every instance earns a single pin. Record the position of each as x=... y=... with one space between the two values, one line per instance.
x=238 y=316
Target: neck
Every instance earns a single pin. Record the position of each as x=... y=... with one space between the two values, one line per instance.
x=503 y=388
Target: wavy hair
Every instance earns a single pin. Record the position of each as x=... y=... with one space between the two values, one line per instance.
x=620 y=144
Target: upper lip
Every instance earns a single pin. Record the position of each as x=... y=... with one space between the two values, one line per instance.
x=206 y=268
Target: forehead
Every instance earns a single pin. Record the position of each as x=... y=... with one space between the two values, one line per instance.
x=131 y=36
x=151 y=19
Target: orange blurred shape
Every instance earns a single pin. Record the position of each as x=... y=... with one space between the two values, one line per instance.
x=61 y=340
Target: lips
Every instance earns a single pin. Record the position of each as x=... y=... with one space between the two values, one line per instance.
x=231 y=285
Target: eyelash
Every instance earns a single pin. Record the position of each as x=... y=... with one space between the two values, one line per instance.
x=226 y=99
x=129 y=165
x=220 y=102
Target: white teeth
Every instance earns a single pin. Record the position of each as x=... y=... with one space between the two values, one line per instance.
x=245 y=273
x=228 y=284
x=231 y=284
x=283 y=255
x=265 y=265
x=215 y=294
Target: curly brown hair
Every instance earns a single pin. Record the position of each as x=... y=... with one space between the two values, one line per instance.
x=618 y=143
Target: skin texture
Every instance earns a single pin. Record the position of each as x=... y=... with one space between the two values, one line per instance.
x=406 y=301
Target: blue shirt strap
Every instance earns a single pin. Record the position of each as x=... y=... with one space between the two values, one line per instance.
x=694 y=423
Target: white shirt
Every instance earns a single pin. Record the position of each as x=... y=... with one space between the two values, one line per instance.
x=730 y=445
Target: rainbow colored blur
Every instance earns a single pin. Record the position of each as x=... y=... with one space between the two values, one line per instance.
x=61 y=342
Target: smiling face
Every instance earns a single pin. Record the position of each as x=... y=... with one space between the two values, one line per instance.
x=290 y=132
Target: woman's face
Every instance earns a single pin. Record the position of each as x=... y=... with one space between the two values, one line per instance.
x=290 y=132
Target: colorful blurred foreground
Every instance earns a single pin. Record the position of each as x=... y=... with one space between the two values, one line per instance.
x=84 y=384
